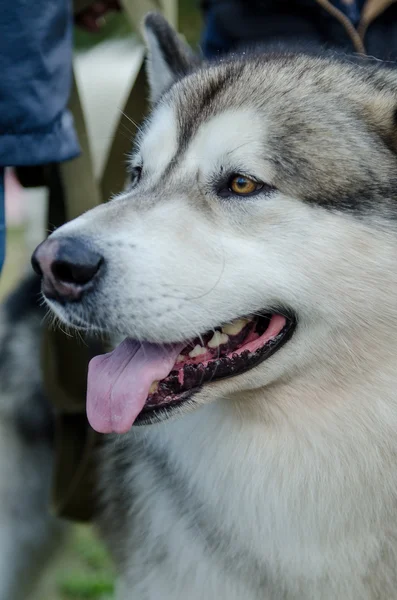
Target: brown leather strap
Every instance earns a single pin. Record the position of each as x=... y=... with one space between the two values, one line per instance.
x=371 y=10
x=346 y=23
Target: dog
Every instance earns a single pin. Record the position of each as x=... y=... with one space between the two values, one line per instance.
x=29 y=533
x=249 y=267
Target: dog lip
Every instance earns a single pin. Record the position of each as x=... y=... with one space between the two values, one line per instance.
x=181 y=389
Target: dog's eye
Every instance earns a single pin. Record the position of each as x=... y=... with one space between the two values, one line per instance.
x=136 y=173
x=243 y=186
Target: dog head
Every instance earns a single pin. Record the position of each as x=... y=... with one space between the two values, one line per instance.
x=254 y=239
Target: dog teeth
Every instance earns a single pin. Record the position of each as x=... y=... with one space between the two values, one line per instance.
x=218 y=339
x=180 y=359
x=235 y=327
x=154 y=387
x=197 y=351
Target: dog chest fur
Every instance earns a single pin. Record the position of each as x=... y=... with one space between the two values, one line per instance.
x=218 y=508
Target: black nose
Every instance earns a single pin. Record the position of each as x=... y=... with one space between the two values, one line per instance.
x=68 y=267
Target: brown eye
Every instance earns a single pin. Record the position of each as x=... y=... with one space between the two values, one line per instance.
x=242 y=185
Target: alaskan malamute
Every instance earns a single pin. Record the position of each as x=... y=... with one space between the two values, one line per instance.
x=251 y=267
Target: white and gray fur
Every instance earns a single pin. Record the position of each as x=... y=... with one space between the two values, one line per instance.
x=29 y=534
x=281 y=483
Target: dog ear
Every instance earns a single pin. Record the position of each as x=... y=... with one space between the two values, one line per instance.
x=169 y=59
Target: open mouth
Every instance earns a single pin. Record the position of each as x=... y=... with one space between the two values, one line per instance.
x=225 y=352
x=140 y=382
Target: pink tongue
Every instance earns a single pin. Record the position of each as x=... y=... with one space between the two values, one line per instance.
x=119 y=382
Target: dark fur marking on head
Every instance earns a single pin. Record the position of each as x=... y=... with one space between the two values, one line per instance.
x=201 y=107
x=358 y=201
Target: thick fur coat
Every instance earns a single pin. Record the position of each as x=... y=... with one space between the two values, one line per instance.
x=279 y=483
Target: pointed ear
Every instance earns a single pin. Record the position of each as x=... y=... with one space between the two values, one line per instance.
x=169 y=59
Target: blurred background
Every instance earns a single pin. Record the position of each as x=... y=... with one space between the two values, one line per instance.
x=105 y=64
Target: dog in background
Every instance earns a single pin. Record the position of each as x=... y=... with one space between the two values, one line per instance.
x=29 y=534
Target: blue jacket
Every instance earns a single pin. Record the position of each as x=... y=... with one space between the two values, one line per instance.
x=35 y=81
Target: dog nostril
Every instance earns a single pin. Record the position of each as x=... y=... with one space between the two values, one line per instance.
x=79 y=274
x=36 y=265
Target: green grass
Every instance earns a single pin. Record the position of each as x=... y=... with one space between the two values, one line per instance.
x=81 y=571
x=81 y=585
x=93 y=578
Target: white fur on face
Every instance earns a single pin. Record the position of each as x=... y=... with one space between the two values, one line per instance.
x=181 y=260
x=159 y=143
x=234 y=137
